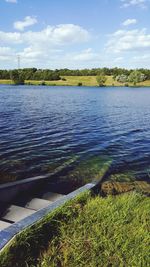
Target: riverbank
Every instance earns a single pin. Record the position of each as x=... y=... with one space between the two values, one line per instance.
x=87 y=231
x=78 y=81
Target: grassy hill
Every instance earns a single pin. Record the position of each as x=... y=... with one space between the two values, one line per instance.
x=75 y=80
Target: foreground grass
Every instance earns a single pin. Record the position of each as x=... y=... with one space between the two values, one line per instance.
x=25 y=249
x=110 y=231
x=87 y=231
x=74 y=80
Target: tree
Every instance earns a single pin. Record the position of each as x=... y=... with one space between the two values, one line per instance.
x=17 y=77
x=101 y=79
x=48 y=74
x=136 y=76
x=122 y=78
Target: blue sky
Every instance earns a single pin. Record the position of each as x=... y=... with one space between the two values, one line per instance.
x=75 y=34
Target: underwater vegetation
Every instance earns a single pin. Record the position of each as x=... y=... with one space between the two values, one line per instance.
x=123 y=177
x=10 y=176
x=55 y=167
x=115 y=188
x=91 y=169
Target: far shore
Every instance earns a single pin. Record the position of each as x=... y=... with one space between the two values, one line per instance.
x=80 y=81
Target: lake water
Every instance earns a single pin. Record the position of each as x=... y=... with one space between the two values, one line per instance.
x=70 y=129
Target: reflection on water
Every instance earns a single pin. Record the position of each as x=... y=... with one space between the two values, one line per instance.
x=75 y=133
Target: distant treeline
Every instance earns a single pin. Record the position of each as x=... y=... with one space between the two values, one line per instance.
x=51 y=75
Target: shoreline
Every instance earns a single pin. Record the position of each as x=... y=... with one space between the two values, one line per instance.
x=80 y=81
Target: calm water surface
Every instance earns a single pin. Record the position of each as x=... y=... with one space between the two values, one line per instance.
x=44 y=129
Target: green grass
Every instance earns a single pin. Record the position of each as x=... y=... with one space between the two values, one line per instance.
x=6 y=82
x=74 y=80
x=112 y=231
x=87 y=231
x=25 y=249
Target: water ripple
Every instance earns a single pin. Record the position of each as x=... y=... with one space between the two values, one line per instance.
x=43 y=126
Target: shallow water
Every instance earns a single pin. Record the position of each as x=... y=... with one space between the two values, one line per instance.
x=45 y=129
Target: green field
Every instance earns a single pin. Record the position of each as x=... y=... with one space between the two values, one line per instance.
x=74 y=80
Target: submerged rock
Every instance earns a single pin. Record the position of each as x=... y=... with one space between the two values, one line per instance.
x=114 y=188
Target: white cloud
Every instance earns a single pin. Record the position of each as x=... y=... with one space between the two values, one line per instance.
x=28 y=21
x=133 y=40
x=64 y=34
x=10 y=38
x=49 y=43
x=41 y=48
x=12 y=1
x=129 y=22
x=5 y=51
x=133 y=3
x=118 y=59
x=6 y=54
x=65 y=45
x=85 y=55
x=81 y=59
x=142 y=58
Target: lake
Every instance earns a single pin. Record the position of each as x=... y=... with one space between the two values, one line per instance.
x=74 y=131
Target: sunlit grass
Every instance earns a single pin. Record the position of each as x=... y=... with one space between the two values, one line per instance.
x=6 y=82
x=25 y=249
x=75 y=80
x=87 y=231
x=112 y=231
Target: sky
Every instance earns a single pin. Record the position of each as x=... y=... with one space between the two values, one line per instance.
x=74 y=34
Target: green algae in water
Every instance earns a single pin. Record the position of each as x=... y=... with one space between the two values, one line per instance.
x=115 y=188
x=7 y=176
x=123 y=177
x=92 y=169
x=57 y=167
